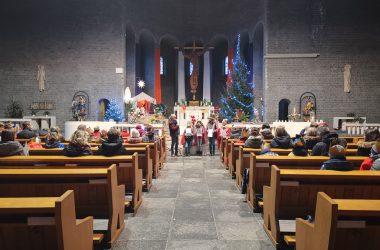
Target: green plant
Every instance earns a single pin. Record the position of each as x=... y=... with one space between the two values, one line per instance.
x=14 y=109
x=356 y=118
x=46 y=113
x=33 y=112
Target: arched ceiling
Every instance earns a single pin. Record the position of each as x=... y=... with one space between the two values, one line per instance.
x=194 y=20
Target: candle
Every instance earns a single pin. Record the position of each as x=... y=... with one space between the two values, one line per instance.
x=294 y=110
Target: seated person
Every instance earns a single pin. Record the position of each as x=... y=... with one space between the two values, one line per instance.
x=254 y=140
x=149 y=135
x=311 y=138
x=376 y=165
x=374 y=155
x=337 y=160
x=43 y=132
x=281 y=139
x=299 y=148
x=140 y=129
x=1 y=126
x=96 y=132
x=266 y=132
x=26 y=132
x=135 y=136
x=322 y=147
x=8 y=145
x=266 y=150
x=124 y=133
x=371 y=135
x=57 y=130
x=312 y=125
x=78 y=145
x=243 y=136
x=52 y=140
x=113 y=145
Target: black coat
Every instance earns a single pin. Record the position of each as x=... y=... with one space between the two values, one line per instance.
x=281 y=142
x=111 y=148
x=52 y=143
x=322 y=147
x=338 y=163
x=75 y=150
x=26 y=134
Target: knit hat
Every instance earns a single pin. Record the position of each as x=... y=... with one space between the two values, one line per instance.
x=376 y=165
x=135 y=133
x=337 y=150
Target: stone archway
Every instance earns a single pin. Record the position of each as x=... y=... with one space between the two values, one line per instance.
x=283 y=109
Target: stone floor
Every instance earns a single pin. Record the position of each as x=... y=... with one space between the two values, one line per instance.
x=194 y=204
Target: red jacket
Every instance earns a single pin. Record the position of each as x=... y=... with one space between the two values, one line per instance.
x=366 y=164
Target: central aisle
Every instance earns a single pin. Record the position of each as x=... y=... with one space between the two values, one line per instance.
x=194 y=204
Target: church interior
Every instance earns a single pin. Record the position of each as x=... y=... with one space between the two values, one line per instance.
x=100 y=142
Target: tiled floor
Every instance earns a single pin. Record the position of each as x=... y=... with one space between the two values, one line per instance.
x=194 y=204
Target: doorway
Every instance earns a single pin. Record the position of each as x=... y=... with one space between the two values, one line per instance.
x=103 y=106
x=283 y=110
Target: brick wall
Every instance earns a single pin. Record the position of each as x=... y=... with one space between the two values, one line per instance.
x=344 y=32
x=80 y=46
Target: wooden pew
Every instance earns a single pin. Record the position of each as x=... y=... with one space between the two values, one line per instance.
x=163 y=155
x=292 y=194
x=43 y=224
x=228 y=152
x=128 y=173
x=144 y=160
x=260 y=171
x=340 y=224
x=232 y=157
x=352 y=139
x=96 y=191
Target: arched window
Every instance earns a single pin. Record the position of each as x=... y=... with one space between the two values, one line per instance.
x=283 y=109
x=103 y=106
x=226 y=65
x=191 y=67
x=162 y=66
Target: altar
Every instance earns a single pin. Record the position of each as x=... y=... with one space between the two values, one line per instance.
x=185 y=113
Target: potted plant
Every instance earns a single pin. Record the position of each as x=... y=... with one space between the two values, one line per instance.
x=14 y=109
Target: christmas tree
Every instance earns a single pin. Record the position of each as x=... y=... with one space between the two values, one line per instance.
x=239 y=95
x=114 y=112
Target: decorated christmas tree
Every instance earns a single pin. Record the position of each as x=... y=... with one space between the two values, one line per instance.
x=238 y=96
x=114 y=112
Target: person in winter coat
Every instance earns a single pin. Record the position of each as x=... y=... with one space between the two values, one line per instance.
x=337 y=160
x=78 y=145
x=149 y=135
x=371 y=135
x=299 y=148
x=26 y=132
x=188 y=137
x=8 y=145
x=374 y=155
x=135 y=136
x=223 y=131
x=52 y=140
x=322 y=147
x=376 y=165
x=113 y=145
x=311 y=138
x=200 y=136
x=266 y=150
x=174 y=133
x=254 y=140
x=211 y=134
x=266 y=132
x=281 y=139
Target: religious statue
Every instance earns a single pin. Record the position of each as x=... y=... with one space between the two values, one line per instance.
x=193 y=53
x=41 y=77
x=347 y=78
x=79 y=108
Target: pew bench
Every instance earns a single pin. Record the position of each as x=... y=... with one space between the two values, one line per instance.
x=242 y=159
x=43 y=224
x=260 y=171
x=128 y=173
x=293 y=194
x=341 y=224
x=96 y=192
x=144 y=160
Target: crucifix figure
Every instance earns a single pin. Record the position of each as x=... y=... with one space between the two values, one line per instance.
x=193 y=53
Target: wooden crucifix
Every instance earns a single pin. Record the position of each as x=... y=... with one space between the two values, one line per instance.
x=192 y=53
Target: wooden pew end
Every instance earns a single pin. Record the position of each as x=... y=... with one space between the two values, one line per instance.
x=290 y=240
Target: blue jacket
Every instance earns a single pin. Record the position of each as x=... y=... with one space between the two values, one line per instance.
x=338 y=163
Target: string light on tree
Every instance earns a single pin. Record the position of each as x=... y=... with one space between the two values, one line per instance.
x=141 y=84
x=114 y=112
x=239 y=95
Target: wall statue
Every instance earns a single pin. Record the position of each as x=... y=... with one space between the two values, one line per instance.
x=41 y=77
